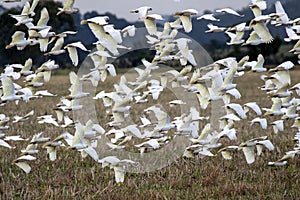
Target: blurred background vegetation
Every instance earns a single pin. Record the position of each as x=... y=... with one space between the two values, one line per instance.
x=215 y=44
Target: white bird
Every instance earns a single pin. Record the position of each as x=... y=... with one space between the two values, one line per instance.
x=235 y=38
x=278 y=125
x=229 y=11
x=150 y=144
x=48 y=119
x=257 y=66
x=5 y=144
x=9 y=72
x=283 y=66
x=51 y=148
x=115 y=33
x=225 y=152
x=34 y=4
x=19 y=40
x=276 y=108
x=68 y=122
x=208 y=17
x=117 y=165
x=108 y=68
x=76 y=87
x=25 y=69
x=296 y=48
x=257 y=6
x=296 y=28
x=57 y=48
x=105 y=39
x=249 y=147
x=185 y=18
x=253 y=39
x=23 y=118
x=253 y=106
x=234 y=108
x=129 y=30
x=282 y=91
x=42 y=26
x=261 y=121
x=93 y=76
x=99 y=20
x=185 y=52
x=44 y=93
x=231 y=117
x=228 y=77
x=280 y=15
x=47 y=66
x=259 y=26
x=150 y=23
x=72 y=49
x=296 y=88
x=21 y=162
x=277 y=163
x=9 y=93
x=23 y=18
x=214 y=29
x=68 y=8
x=142 y=11
x=290 y=112
x=291 y=35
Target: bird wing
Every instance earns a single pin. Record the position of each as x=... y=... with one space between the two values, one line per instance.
x=24 y=166
x=268 y=144
x=69 y=4
x=119 y=173
x=150 y=26
x=8 y=86
x=263 y=32
x=58 y=44
x=43 y=44
x=5 y=144
x=282 y=14
x=111 y=69
x=254 y=107
x=18 y=36
x=186 y=22
x=44 y=18
x=249 y=154
x=73 y=55
x=33 y=5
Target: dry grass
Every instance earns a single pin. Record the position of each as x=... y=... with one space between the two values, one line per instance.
x=70 y=177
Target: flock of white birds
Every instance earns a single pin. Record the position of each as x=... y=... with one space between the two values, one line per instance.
x=222 y=73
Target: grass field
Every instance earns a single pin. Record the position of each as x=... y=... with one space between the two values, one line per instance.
x=71 y=177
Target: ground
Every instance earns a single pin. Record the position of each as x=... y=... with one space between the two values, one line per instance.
x=71 y=177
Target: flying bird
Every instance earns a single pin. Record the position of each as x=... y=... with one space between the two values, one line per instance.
x=208 y=17
x=229 y=11
x=68 y=8
x=72 y=49
x=185 y=18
